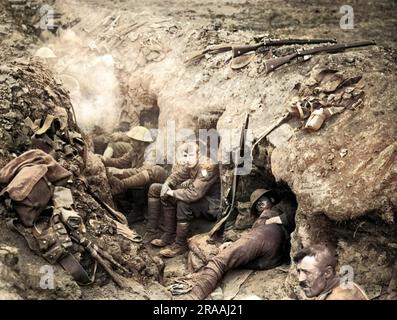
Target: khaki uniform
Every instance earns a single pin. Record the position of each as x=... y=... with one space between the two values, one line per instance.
x=140 y=169
x=132 y=159
x=196 y=194
x=201 y=196
x=263 y=247
x=339 y=293
x=119 y=141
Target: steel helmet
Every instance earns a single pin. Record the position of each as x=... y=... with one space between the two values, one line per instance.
x=45 y=53
x=140 y=133
x=258 y=193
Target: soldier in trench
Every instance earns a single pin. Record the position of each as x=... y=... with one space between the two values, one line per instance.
x=137 y=167
x=316 y=266
x=191 y=191
x=116 y=144
x=265 y=246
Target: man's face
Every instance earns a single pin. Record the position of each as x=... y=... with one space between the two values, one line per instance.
x=262 y=204
x=189 y=156
x=191 y=159
x=312 y=277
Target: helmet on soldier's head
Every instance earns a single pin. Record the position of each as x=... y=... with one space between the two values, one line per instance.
x=259 y=193
x=140 y=133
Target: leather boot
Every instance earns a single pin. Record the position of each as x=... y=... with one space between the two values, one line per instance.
x=168 y=236
x=154 y=212
x=180 y=245
x=206 y=284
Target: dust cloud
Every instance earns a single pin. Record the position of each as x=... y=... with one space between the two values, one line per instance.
x=90 y=78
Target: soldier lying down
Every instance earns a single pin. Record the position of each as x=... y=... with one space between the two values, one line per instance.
x=263 y=247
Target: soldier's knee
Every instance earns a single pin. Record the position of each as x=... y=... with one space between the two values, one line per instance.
x=184 y=211
x=158 y=174
x=154 y=190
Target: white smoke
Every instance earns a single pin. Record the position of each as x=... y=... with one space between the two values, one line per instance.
x=91 y=81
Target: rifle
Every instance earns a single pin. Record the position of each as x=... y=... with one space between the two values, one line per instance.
x=284 y=118
x=198 y=55
x=239 y=50
x=231 y=194
x=96 y=253
x=242 y=49
x=116 y=214
x=275 y=63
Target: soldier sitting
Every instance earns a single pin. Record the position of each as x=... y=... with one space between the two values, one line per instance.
x=136 y=168
x=263 y=247
x=191 y=191
x=116 y=144
x=318 y=279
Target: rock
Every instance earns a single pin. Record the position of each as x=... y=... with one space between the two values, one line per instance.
x=9 y=255
x=156 y=291
x=217 y=294
x=175 y=267
x=280 y=136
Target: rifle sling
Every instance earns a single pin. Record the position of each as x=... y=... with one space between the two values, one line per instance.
x=70 y=264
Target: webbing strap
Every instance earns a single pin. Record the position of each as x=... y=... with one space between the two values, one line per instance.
x=68 y=262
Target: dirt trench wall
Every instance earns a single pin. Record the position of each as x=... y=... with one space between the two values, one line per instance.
x=29 y=90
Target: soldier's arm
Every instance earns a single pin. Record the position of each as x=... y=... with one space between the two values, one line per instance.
x=119 y=136
x=121 y=162
x=199 y=187
x=288 y=220
x=179 y=174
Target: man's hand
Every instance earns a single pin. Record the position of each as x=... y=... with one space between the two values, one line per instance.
x=164 y=190
x=276 y=220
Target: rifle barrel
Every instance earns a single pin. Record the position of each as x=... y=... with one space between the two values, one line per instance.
x=336 y=47
x=231 y=196
x=275 y=63
x=281 y=42
x=240 y=50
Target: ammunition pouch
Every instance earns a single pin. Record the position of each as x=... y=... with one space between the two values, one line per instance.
x=52 y=237
x=49 y=239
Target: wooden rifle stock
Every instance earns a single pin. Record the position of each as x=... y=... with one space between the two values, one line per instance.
x=93 y=251
x=231 y=195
